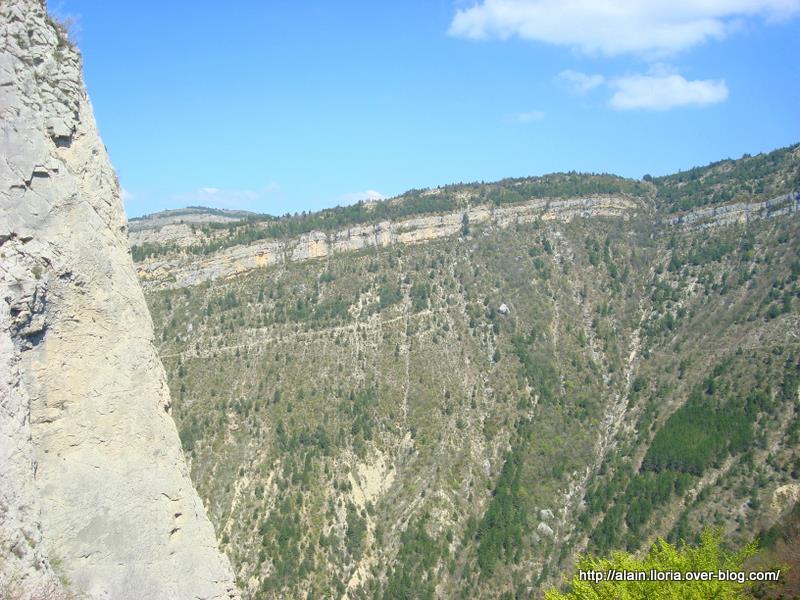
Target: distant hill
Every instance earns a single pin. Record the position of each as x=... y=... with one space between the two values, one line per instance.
x=190 y=214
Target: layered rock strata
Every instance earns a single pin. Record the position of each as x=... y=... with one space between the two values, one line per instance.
x=175 y=270
x=181 y=267
x=739 y=212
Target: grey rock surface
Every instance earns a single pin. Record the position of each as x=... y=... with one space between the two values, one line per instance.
x=546 y=514
x=739 y=212
x=190 y=215
x=96 y=498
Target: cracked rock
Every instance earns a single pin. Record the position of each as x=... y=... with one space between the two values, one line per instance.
x=91 y=466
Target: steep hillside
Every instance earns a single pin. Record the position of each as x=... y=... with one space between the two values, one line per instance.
x=95 y=499
x=453 y=397
x=751 y=178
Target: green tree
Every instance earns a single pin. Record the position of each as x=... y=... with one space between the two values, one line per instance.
x=709 y=556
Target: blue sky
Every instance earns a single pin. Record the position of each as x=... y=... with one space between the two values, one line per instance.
x=289 y=106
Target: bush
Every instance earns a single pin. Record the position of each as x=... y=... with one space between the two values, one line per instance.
x=664 y=557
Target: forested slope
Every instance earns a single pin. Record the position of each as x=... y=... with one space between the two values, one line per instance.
x=459 y=417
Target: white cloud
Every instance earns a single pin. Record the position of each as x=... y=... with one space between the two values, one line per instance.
x=126 y=195
x=612 y=27
x=368 y=195
x=580 y=83
x=662 y=91
x=527 y=117
x=209 y=190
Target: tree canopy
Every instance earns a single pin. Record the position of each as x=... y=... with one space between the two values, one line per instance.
x=708 y=556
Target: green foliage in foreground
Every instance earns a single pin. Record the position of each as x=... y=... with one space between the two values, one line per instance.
x=708 y=556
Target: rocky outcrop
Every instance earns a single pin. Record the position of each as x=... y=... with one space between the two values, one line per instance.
x=178 y=227
x=95 y=496
x=179 y=270
x=738 y=212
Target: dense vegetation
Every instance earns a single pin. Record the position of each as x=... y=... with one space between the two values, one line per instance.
x=709 y=556
x=750 y=178
x=412 y=575
x=504 y=522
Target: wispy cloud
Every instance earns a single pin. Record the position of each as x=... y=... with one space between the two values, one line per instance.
x=664 y=91
x=652 y=27
x=127 y=196
x=215 y=197
x=580 y=83
x=368 y=195
x=528 y=117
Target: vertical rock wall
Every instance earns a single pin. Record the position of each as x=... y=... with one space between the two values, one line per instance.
x=95 y=492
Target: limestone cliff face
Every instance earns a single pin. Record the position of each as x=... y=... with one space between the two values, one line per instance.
x=179 y=269
x=738 y=212
x=95 y=494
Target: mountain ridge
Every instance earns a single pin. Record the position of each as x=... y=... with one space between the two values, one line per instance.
x=759 y=169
